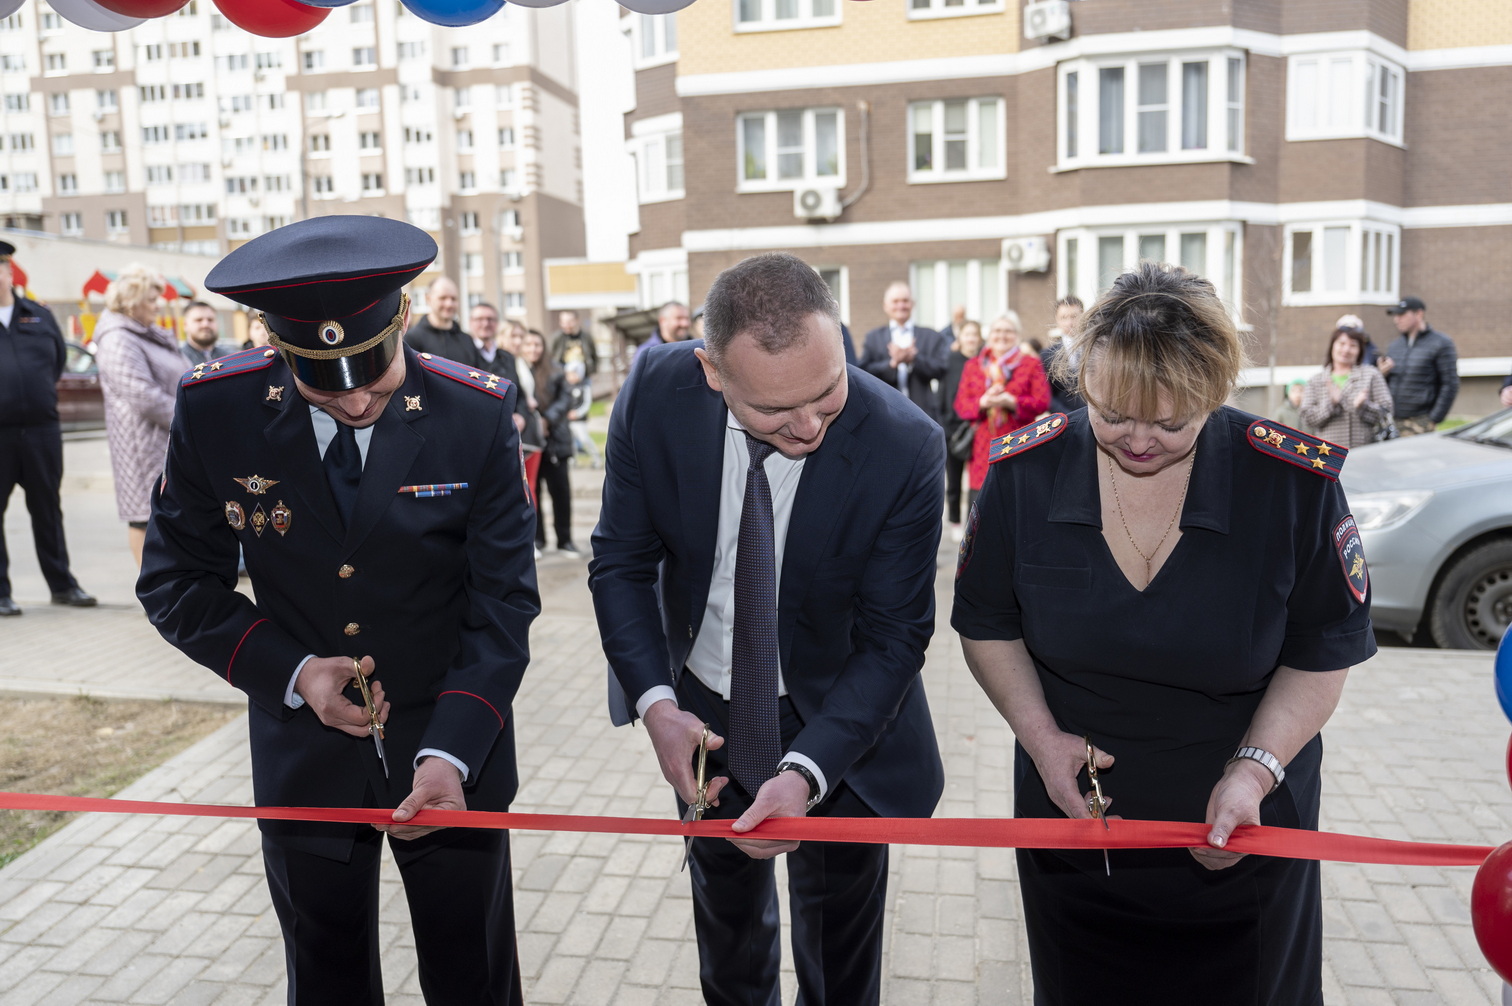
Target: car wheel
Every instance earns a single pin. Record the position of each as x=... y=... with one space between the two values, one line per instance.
x=1473 y=605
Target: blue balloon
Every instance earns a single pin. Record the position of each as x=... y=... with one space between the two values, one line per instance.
x=453 y=13
x=1504 y=674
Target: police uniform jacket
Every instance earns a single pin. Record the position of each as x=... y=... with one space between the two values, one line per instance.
x=32 y=355
x=439 y=589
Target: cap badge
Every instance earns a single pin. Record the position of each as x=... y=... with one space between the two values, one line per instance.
x=331 y=333
x=411 y=403
x=235 y=515
x=257 y=485
x=259 y=520
x=275 y=392
x=282 y=518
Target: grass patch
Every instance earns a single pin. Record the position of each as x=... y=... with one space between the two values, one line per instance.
x=84 y=746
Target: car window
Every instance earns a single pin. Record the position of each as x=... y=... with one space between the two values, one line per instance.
x=1494 y=430
x=80 y=360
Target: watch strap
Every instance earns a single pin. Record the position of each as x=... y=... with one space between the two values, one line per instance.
x=813 y=784
x=1264 y=757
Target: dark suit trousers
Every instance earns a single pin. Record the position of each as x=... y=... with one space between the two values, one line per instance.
x=553 y=476
x=32 y=457
x=461 y=904
x=837 y=895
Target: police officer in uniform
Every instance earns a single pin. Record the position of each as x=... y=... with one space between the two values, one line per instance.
x=379 y=498
x=32 y=355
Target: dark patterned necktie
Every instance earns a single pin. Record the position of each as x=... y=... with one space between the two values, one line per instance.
x=343 y=465
x=755 y=732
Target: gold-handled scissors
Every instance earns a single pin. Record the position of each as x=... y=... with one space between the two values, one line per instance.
x=374 y=726
x=695 y=811
x=1096 y=803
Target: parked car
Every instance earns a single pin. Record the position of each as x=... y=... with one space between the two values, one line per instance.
x=1435 y=516
x=81 y=405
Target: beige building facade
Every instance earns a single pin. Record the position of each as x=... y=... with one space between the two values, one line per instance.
x=1311 y=159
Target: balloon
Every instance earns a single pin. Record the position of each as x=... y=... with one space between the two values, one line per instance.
x=1509 y=761
x=1491 y=910
x=537 y=3
x=88 y=14
x=272 y=18
x=142 y=8
x=9 y=7
x=454 y=13
x=327 y=3
x=654 y=6
x=1504 y=674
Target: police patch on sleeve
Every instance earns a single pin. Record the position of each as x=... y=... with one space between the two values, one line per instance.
x=967 y=541
x=1352 y=557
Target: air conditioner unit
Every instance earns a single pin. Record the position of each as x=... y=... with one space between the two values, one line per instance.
x=816 y=204
x=1026 y=254
x=1048 y=19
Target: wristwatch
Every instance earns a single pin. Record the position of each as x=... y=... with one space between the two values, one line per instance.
x=813 y=784
x=1265 y=758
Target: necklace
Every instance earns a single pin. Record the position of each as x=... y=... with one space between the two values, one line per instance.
x=1113 y=481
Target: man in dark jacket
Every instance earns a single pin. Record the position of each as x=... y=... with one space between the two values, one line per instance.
x=906 y=356
x=1421 y=369
x=32 y=355
x=439 y=333
x=571 y=344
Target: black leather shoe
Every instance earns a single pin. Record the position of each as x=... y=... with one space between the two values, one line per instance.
x=74 y=597
x=8 y=607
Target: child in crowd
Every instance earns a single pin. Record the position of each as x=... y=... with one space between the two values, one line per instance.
x=580 y=390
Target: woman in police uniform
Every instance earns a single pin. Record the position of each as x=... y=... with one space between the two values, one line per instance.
x=1215 y=556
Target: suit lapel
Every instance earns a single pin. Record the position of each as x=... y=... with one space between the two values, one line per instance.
x=391 y=454
x=699 y=473
x=292 y=438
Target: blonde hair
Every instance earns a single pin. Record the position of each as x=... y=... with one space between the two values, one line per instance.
x=1011 y=317
x=1161 y=334
x=135 y=285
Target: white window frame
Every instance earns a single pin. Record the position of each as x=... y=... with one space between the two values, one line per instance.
x=117 y=222
x=809 y=177
x=1088 y=118
x=768 y=21
x=71 y=224
x=512 y=263
x=1223 y=237
x=840 y=288
x=1359 y=259
x=937 y=9
x=972 y=172
x=1347 y=85
x=648 y=146
x=469 y=222
x=662 y=30
x=981 y=274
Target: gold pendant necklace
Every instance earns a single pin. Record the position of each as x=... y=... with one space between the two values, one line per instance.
x=1113 y=481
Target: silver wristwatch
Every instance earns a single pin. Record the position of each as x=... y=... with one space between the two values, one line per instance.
x=1265 y=758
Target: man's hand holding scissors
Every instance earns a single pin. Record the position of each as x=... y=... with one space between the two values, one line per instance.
x=321 y=684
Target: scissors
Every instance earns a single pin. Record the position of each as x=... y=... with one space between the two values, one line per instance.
x=1096 y=802
x=374 y=726
x=695 y=811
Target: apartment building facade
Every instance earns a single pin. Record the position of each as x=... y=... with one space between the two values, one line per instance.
x=189 y=134
x=1310 y=158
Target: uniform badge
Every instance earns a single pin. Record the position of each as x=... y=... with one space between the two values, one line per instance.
x=282 y=518
x=967 y=541
x=1352 y=557
x=235 y=515
x=411 y=403
x=1297 y=448
x=259 y=520
x=257 y=485
x=1029 y=437
x=331 y=333
x=275 y=393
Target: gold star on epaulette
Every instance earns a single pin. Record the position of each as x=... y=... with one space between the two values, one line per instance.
x=1301 y=448
x=1023 y=438
x=216 y=365
x=1318 y=463
x=475 y=375
x=493 y=382
x=1325 y=450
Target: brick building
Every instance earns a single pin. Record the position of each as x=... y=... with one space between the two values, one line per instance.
x=188 y=134
x=1310 y=157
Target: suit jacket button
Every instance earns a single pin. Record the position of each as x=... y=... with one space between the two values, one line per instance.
x=352 y=628
x=345 y=572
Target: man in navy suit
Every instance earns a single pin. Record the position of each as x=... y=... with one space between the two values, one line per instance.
x=764 y=564
x=906 y=356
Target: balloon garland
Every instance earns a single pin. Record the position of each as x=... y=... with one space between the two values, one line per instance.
x=1491 y=894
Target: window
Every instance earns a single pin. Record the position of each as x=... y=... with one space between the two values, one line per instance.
x=654 y=37
x=467 y=180
x=238 y=226
x=188 y=91
x=315 y=101
x=504 y=96
x=956 y=140
x=276 y=183
x=836 y=278
x=501 y=54
x=107 y=101
x=272 y=223
x=115 y=181
x=509 y=220
x=68 y=184
x=21 y=141
x=367 y=97
x=462 y=97
x=194 y=172
x=104 y=60
x=513 y=261
x=13 y=22
x=236 y=145
x=155 y=134
x=191 y=131
x=659 y=284
x=72 y=225
x=323 y=185
x=506 y=137
x=514 y=302
x=370 y=140
x=152 y=92
x=159 y=174
x=314 y=59
x=769 y=15
x=472 y=263
x=13 y=62
x=469 y=222
x=1341 y=262
x=110 y=141
x=51 y=22
x=372 y=183
x=507 y=180
x=268 y=60
x=362 y=14
x=235 y=61
x=189 y=9
x=938 y=287
x=275 y=141
x=1343 y=94
x=659 y=166
x=952 y=8
x=419 y=176
x=464 y=139
x=183 y=50
x=1088 y=261
x=320 y=143
x=416 y=135
x=63 y=145
x=152 y=53
x=115 y=222
x=240 y=186
x=22 y=102
x=25 y=181
x=197 y=213
x=57 y=62
x=1154 y=108
x=793 y=147
x=411 y=50
x=459 y=56
x=364 y=56
x=274 y=101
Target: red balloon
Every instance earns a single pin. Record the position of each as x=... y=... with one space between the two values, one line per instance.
x=1491 y=910
x=142 y=8
x=272 y=18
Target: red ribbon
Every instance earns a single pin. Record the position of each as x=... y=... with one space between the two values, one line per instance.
x=1001 y=833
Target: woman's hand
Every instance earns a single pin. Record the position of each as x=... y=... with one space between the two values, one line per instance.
x=1358 y=401
x=1060 y=758
x=1335 y=393
x=1234 y=801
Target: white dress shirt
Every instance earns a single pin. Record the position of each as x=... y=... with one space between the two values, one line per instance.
x=7 y=313
x=325 y=432
x=902 y=336
x=710 y=659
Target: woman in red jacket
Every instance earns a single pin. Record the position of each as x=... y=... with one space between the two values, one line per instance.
x=1002 y=389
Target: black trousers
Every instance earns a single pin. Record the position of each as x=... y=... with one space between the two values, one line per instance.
x=837 y=894
x=553 y=476
x=461 y=904
x=32 y=457
x=955 y=468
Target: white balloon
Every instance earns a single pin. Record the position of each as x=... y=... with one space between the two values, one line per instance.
x=88 y=14
x=9 y=7
x=654 y=6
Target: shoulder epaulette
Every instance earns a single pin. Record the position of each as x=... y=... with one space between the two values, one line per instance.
x=473 y=377
x=237 y=363
x=1027 y=438
x=1295 y=447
